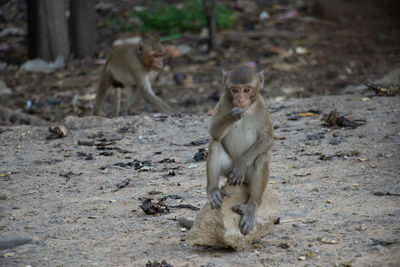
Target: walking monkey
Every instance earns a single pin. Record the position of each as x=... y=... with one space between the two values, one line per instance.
x=128 y=67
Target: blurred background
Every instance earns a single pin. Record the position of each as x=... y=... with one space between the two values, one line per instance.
x=52 y=51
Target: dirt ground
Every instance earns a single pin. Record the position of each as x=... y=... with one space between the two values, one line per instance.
x=79 y=197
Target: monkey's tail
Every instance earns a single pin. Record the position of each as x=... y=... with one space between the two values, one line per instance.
x=186 y=223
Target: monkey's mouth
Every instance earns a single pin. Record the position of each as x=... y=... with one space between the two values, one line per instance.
x=158 y=65
x=244 y=106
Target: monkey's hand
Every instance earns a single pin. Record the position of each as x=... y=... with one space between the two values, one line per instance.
x=237 y=174
x=237 y=112
x=248 y=212
x=215 y=197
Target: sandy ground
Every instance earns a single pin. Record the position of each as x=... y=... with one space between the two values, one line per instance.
x=337 y=185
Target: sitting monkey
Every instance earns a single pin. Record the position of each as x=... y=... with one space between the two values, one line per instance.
x=242 y=135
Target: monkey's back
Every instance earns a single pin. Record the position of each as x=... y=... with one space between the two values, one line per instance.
x=124 y=72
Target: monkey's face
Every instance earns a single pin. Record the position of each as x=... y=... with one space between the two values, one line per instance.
x=157 y=60
x=151 y=53
x=242 y=86
x=242 y=95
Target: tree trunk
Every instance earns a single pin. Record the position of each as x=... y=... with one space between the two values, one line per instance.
x=47 y=29
x=210 y=9
x=83 y=28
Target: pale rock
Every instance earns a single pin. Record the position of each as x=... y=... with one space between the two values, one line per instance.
x=12 y=31
x=40 y=65
x=220 y=227
x=4 y=90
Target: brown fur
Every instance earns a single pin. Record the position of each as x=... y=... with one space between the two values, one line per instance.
x=239 y=150
x=128 y=67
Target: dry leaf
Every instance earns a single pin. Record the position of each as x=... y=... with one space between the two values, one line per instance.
x=328 y=241
x=307 y=114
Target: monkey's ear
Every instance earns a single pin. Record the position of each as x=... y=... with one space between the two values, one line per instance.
x=261 y=79
x=140 y=49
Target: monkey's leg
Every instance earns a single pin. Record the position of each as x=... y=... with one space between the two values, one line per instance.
x=117 y=102
x=218 y=162
x=105 y=83
x=133 y=99
x=256 y=180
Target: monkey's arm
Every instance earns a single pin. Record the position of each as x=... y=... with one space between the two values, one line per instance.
x=149 y=96
x=226 y=117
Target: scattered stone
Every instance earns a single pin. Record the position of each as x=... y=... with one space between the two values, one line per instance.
x=175 y=197
x=179 y=78
x=186 y=223
x=86 y=156
x=169 y=174
x=317 y=136
x=284 y=245
x=12 y=31
x=167 y=160
x=69 y=175
x=127 y=130
x=4 y=90
x=58 y=131
x=335 y=141
x=123 y=184
x=106 y=153
x=157 y=264
x=192 y=166
x=40 y=65
x=6 y=243
x=220 y=228
x=199 y=142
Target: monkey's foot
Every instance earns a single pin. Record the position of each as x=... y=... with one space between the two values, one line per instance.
x=248 y=212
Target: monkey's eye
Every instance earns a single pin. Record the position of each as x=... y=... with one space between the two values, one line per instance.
x=235 y=90
x=246 y=89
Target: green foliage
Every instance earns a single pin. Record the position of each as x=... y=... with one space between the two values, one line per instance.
x=169 y=19
x=119 y=25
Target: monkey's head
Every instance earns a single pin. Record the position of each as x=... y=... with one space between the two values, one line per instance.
x=151 y=53
x=243 y=86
